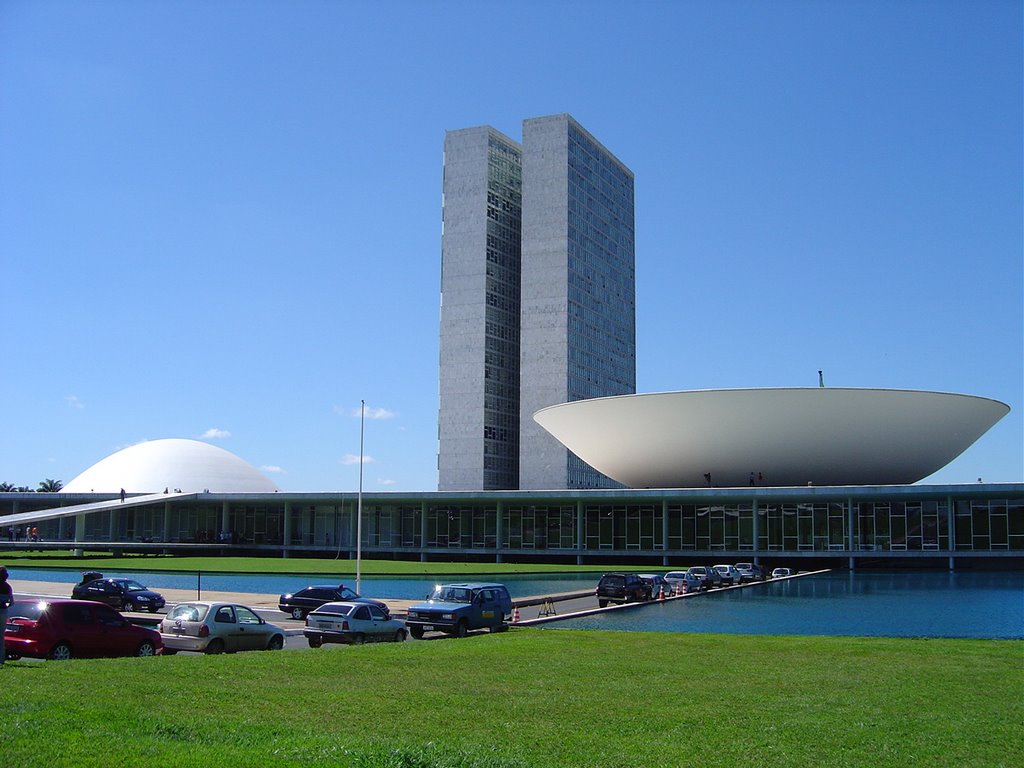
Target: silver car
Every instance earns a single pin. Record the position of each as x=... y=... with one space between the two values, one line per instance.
x=209 y=627
x=352 y=623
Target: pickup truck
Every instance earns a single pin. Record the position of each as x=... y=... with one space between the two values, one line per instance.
x=457 y=608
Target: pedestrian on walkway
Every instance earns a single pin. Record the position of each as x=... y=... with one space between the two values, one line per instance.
x=122 y=495
x=6 y=598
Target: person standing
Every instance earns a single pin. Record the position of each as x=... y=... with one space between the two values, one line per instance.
x=6 y=598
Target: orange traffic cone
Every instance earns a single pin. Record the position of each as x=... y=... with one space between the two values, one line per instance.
x=515 y=615
x=661 y=593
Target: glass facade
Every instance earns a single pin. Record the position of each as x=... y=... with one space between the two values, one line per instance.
x=501 y=341
x=665 y=524
x=601 y=332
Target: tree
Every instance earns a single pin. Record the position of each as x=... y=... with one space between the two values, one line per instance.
x=6 y=488
x=50 y=486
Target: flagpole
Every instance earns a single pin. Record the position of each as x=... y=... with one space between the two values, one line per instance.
x=359 y=502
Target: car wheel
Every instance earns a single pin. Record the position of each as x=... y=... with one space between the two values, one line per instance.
x=416 y=632
x=152 y=609
x=298 y=614
x=60 y=652
x=215 y=646
x=400 y=636
x=602 y=603
x=358 y=638
x=314 y=642
x=276 y=643
x=127 y=606
x=13 y=656
x=169 y=651
x=146 y=648
x=461 y=630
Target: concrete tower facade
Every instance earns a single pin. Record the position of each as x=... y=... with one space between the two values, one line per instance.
x=578 y=316
x=478 y=418
x=537 y=299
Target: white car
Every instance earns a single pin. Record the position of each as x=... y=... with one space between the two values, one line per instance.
x=659 y=584
x=211 y=627
x=729 y=574
x=781 y=573
x=352 y=623
x=684 y=581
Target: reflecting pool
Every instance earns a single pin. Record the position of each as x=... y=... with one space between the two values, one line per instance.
x=904 y=604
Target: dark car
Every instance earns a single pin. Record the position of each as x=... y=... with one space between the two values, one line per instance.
x=621 y=588
x=63 y=629
x=123 y=594
x=457 y=608
x=298 y=604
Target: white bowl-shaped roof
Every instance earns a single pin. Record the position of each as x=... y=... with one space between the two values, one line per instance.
x=823 y=436
x=190 y=465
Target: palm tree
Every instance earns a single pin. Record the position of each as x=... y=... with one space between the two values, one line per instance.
x=50 y=486
x=6 y=488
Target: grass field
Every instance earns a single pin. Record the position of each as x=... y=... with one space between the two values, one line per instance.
x=531 y=698
x=324 y=566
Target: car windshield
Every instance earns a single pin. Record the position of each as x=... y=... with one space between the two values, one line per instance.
x=26 y=609
x=346 y=593
x=452 y=594
x=188 y=612
x=130 y=585
x=337 y=609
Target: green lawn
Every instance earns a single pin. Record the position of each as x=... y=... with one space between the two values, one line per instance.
x=323 y=566
x=532 y=698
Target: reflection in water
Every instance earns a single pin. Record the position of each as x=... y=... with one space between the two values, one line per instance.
x=905 y=604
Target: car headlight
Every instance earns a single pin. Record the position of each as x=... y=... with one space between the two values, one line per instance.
x=142 y=599
x=446 y=616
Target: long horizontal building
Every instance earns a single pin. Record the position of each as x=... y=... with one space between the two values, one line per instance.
x=847 y=525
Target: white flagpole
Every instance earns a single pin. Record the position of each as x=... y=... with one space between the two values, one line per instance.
x=359 y=502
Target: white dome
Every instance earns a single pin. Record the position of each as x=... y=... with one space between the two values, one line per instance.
x=189 y=465
x=824 y=436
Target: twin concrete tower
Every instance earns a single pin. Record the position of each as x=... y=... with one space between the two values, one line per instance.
x=538 y=300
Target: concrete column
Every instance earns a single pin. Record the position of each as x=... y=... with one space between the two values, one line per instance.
x=664 y=531
x=79 y=533
x=757 y=532
x=581 y=531
x=286 y=543
x=850 y=520
x=225 y=516
x=423 y=531
x=499 y=528
x=167 y=521
x=951 y=522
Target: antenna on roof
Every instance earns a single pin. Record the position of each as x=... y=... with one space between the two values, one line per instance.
x=821 y=380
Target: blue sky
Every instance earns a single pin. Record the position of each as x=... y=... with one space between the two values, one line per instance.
x=222 y=220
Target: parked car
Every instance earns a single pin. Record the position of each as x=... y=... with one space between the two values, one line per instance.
x=352 y=623
x=213 y=627
x=298 y=604
x=684 y=581
x=621 y=588
x=709 y=577
x=781 y=573
x=658 y=584
x=750 y=572
x=729 y=574
x=63 y=629
x=457 y=608
x=123 y=594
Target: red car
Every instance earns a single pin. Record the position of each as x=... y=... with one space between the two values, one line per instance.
x=62 y=629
